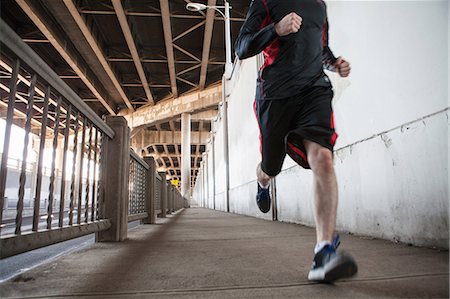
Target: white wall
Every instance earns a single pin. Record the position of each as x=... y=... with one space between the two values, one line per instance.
x=399 y=63
x=392 y=154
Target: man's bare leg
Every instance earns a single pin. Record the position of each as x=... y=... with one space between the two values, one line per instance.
x=328 y=265
x=325 y=190
x=262 y=177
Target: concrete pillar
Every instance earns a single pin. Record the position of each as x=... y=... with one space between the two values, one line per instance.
x=213 y=169
x=169 y=198
x=115 y=172
x=150 y=191
x=206 y=170
x=163 y=195
x=225 y=151
x=186 y=156
x=204 y=186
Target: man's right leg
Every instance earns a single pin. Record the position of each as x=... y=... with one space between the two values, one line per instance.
x=272 y=136
x=263 y=199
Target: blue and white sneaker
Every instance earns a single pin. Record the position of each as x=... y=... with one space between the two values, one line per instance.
x=263 y=198
x=328 y=265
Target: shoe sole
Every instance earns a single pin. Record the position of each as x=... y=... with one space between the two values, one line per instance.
x=263 y=210
x=343 y=266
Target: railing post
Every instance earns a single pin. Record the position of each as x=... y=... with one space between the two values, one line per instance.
x=150 y=191
x=169 y=198
x=172 y=198
x=115 y=172
x=163 y=195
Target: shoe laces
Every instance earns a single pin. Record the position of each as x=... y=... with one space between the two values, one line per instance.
x=336 y=242
x=331 y=248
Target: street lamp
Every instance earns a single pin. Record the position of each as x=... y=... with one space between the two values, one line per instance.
x=226 y=16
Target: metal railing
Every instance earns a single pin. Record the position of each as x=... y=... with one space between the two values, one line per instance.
x=90 y=183
x=158 y=193
x=150 y=194
x=42 y=104
x=137 y=188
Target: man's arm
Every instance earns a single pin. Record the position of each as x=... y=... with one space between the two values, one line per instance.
x=257 y=32
x=328 y=58
x=330 y=62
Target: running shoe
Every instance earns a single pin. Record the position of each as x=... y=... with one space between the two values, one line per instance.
x=329 y=265
x=263 y=198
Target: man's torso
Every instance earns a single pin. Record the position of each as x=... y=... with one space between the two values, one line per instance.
x=294 y=62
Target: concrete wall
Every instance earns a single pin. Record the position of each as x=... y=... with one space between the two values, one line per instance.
x=391 y=157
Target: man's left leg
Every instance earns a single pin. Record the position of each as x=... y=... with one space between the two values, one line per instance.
x=320 y=160
x=328 y=265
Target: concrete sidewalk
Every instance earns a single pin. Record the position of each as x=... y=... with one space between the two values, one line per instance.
x=200 y=253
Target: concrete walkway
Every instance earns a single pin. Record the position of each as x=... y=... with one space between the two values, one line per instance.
x=200 y=253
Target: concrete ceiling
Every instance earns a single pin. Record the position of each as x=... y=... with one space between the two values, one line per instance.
x=126 y=57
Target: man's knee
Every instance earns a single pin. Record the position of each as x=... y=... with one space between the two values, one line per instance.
x=321 y=160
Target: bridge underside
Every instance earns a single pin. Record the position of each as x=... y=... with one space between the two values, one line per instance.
x=127 y=58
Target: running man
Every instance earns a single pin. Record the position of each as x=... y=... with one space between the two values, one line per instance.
x=294 y=113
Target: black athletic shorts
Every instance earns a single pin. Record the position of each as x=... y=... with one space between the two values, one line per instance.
x=284 y=124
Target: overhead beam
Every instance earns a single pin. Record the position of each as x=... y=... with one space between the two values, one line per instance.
x=165 y=12
x=61 y=48
x=152 y=138
x=187 y=82
x=157 y=156
x=170 y=109
x=140 y=85
x=188 y=70
x=193 y=168
x=97 y=51
x=205 y=115
x=153 y=14
x=172 y=125
x=186 y=32
x=186 y=52
x=166 y=153
x=144 y=60
x=35 y=41
x=207 y=39
x=118 y=8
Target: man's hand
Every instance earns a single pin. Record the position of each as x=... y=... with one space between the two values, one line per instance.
x=342 y=67
x=289 y=24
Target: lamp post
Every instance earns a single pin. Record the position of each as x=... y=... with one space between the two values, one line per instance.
x=226 y=77
x=226 y=16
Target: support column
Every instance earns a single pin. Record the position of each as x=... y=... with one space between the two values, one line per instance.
x=186 y=157
x=150 y=191
x=205 y=171
x=225 y=151
x=115 y=172
x=213 y=168
x=163 y=195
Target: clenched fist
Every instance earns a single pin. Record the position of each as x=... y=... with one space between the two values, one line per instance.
x=343 y=67
x=289 y=24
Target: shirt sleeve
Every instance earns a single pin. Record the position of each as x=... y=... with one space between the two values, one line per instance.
x=328 y=58
x=257 y=32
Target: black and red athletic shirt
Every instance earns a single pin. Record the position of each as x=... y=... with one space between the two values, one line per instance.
x=293 y=62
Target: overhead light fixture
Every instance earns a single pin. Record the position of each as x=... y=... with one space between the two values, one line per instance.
x=195 y=6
